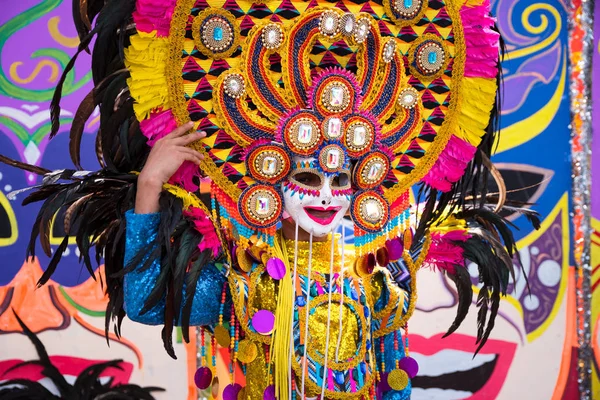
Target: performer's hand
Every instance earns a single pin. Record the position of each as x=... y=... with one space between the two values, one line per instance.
x=165 y=158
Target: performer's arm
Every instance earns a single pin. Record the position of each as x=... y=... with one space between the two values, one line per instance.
x=138 y=284
x=391 y=302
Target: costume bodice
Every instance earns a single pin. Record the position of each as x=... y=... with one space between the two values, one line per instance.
x=332 y=320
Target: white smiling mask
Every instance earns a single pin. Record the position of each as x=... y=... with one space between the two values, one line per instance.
x=315 y=201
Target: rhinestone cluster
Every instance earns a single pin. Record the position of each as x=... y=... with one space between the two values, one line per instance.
x=408 y=98
x=234 y=85
x=261 y=205
x=335 y=97
x=389 y=50
x=272 y=36
x=333 y=128
x=359 y=137
x=430 y=58
x=371 y=171
x=269 y=163
x=332 y=158
x=329 y=24
x=407 y=9
x=303 y=135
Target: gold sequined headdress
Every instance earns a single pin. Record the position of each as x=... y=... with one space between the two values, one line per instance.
x=400 y=91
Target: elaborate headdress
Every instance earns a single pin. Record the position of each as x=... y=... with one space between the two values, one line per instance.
x=403 y=94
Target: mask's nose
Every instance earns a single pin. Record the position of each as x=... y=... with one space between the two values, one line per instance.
x=326 y=194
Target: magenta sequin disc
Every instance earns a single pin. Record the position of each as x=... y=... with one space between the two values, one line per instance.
x=269 y=393
x=410 y=366
x=263 y=322
x=231 y=391
x=203 y=377
x=276 y=268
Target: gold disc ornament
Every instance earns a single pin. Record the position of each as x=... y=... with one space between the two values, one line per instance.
x=222 y=336
x=398 y=379
x=215 y=387
x=247 y=351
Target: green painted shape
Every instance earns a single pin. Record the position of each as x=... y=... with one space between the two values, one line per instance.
x=80 y=308
x=9 y=89
x=41 y=132
x=15 y=128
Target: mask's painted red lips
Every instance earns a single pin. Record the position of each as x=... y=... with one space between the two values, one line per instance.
x=322 y=215
x=70 y=367
x=447 y=366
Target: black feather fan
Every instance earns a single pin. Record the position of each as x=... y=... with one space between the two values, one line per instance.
x=87 y=385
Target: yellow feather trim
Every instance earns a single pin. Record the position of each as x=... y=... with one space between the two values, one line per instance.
x=476 y=102
x=145 y=58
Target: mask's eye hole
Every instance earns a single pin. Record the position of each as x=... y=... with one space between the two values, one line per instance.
x=308 y=179
x=341 y=180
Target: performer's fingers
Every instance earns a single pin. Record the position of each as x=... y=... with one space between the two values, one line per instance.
x=180 y=131
x=191 y=155
x=191 y=138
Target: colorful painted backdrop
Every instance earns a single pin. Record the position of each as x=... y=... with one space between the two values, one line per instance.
x=533 y=348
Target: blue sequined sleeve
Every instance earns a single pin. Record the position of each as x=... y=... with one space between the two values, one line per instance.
x=141 y=234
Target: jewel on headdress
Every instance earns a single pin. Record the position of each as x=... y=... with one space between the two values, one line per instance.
x=260 y=206
x=407 y=9
x=429 y=56
x=371 y=170
x=329 y=23
x=301 y=133
x=389 y=49
x=272 y=36
x=370 y=211
x=332 y=128
x=305 y=132
x=268 y=163
x=362 y=30
x=234 y=85
x=408 y=98
x=348 y=24
x=215 y=33
x=359 y=137
x=332 y=158
x=336 y=97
